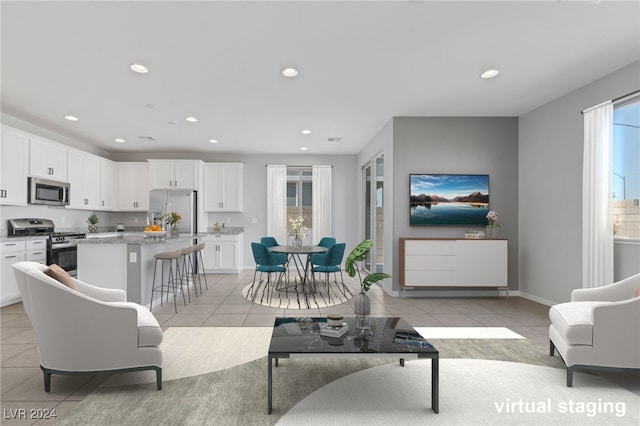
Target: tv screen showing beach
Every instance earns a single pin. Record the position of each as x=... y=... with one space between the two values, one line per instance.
x=439 y=199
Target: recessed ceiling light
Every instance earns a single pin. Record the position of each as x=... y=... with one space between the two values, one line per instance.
x=289 y=72
x=489 y=73
x=213 y=141
x=306 y=132
x=71 y=117
x=119 y=140
x=303 y=148
x=139 y=68
x=191 y=119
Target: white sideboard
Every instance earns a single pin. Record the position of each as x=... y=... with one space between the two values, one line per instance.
x=441 y=262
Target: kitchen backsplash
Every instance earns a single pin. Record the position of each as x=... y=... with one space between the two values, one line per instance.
x=73 y=220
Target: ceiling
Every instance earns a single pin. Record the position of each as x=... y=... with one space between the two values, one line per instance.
x=360 y=64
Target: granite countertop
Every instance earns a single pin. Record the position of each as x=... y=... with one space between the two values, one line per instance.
x=133 y=236
x=227 y=230
x=136 y=238
x=5 y=239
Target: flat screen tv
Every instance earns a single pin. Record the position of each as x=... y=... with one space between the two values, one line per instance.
x=447 y=199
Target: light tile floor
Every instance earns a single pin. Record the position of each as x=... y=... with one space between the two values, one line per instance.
x=21 y=381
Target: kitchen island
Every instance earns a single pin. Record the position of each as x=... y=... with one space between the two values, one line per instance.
x=125 y=261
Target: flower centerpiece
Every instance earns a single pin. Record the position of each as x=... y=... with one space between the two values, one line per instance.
x=172 y=220
x=93 y=222
x=362 y=304
x=492 y=218
x=297 y=230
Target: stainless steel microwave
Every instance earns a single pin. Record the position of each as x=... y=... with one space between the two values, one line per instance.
x=48 y=192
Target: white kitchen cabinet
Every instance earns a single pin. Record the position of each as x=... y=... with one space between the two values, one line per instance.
x=223 y=187
x=108 y=185
x=434 y=262
x=14 y=165
x=36 y=251
x=84 y=178
x=133 y=186
x=222 y=253
x=10 y=253
x=175 y=174
x=47 y=159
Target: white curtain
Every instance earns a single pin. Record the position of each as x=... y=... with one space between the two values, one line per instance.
x=597 y=224
x=277 y=203
x=322 y=194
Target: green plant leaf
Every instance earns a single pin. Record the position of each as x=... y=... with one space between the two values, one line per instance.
x=358 y=254
x=373 y=278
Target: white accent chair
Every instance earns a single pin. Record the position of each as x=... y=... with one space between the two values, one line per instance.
x=599 y=328
x=89 y=331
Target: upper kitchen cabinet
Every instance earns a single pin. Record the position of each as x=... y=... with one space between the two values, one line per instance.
x=84 y=180
x=47 y=159
x=133 y=186
x=223 y=187
x=175 y=174
x=14 y=164
x=108 y=179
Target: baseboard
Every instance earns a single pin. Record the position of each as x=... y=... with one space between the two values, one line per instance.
x=537 y=299
x=489 y=292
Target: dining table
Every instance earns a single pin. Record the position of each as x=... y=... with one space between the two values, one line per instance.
x=303 y=269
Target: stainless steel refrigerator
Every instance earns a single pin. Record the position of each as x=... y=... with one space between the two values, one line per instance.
x=183 y=202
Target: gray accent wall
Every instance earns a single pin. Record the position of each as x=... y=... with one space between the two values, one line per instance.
x=550 y=187
x=457 y=145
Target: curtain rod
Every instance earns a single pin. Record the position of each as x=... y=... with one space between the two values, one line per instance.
x=624 y=97
x=616 y=100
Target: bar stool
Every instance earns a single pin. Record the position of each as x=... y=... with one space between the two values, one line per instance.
x=187 y=269
x=198 y=262
x=173 y=279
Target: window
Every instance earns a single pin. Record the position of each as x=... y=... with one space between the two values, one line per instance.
x=626 y=172
x=299 y=194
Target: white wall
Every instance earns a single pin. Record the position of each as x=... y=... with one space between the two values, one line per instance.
x=382 y=143
x=345 y=191
x=550 y=187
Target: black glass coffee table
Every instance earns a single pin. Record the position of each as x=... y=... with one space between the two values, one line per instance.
x=389 y=337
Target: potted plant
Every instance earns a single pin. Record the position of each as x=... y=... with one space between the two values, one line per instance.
x=492 y=218
x=362 y=304
x=93 y=222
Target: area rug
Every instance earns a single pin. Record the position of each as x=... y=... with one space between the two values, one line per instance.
x=467 y=333
x=293 y=297
x=472 y=392
x=236 y=394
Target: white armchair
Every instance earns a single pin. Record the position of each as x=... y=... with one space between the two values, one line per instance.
x=599 y=328
x=89 y=330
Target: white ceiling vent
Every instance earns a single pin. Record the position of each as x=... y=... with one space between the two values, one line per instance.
x=148 y=138
x=334 y=139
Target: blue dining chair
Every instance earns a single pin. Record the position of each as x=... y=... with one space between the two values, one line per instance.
x=318 y=258
x=267 y=262
x=269 y=241
x=332 y=263
x=281 y=258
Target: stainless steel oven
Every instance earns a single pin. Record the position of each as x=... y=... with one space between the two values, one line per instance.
x=62 y=249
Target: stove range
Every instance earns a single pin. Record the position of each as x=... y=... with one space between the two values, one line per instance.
x=61 y=246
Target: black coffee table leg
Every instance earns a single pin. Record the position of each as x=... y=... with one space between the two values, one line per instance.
x=434 y=384
x=269 y=385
